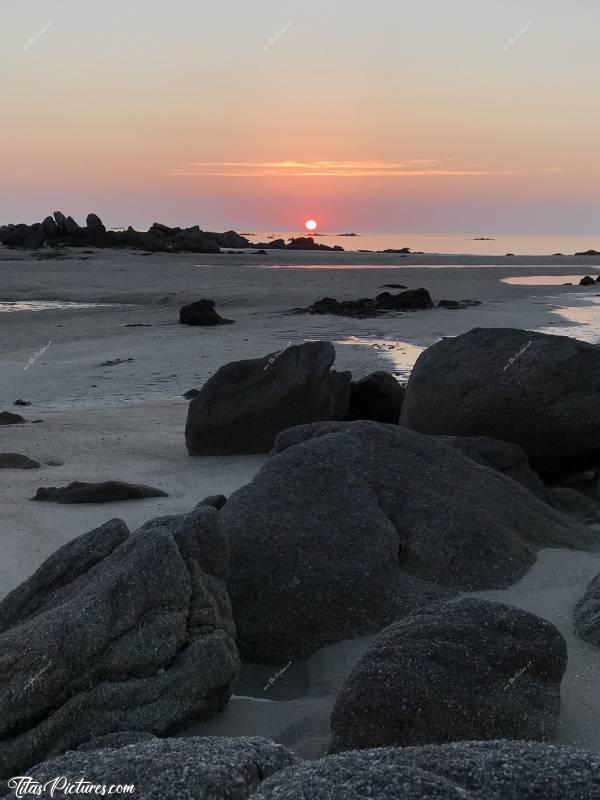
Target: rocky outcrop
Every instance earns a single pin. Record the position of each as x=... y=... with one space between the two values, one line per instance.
x=533 y=389
x=466 y=671
x=353 y=525
x=117 y=632
x=104 y=492
x=462 y=771
x=377 y=397
x=587 y=281
x=410 y=300
x=201 y=312
x=245 y=404
x=62 y=231
x=300 y=243
x=215 y=767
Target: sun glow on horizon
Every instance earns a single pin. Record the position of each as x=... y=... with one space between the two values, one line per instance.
x=311 y=225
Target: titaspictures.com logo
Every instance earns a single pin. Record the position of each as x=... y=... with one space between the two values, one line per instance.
x=24 y=786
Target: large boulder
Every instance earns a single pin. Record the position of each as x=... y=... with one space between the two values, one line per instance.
x=245 y=404
x=353 y=525
x=497 y=770
x=464 y=671
x=587 y=614
x=377 y=397
x=533 y=389
x=117 y=632
x=211 y=767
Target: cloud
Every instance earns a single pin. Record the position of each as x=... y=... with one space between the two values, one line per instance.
x=338 y=169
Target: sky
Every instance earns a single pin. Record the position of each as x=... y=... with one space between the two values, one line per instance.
x=388 y=115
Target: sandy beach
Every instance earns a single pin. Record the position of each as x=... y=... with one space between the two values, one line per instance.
x=125 y=421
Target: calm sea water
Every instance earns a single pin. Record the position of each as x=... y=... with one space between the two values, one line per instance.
x=461 y=244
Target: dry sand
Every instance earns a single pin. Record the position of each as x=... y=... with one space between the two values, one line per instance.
x=126 y=421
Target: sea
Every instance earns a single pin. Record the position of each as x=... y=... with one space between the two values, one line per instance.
x=447 y=244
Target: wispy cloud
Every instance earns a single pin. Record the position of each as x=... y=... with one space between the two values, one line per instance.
x=343 y=169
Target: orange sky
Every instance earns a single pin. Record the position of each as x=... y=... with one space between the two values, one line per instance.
x=394 y=116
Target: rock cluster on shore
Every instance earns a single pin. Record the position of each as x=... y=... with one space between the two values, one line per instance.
x=61 y=231
x=353 y=526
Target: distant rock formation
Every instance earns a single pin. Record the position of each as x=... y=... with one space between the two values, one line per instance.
x=61 y=231
x=301 y=243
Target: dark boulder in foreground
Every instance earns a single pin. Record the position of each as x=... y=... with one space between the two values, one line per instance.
x=533 y=389
x=17 y=461
x=587 y=281
x=465 y=671
x=497 y=770
x=353 y=525
x=201 y=312
x=117 y=632
x=104 y=492
x=377 y=397
x=245 y=404
x=206 y=768
x=8 y=418
x=587 y=614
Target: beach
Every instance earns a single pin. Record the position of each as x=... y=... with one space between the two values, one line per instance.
x=125 y=420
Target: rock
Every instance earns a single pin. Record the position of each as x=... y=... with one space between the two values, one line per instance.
x=215 y=767
x=587 y=614
x=14 y=235
x=366 y=307
x=589 y=253
x=123 y=632
x=35 y=237
x=471 y=670
x=17 y=461
x=353 y=525
x=533 y=389
x=115 y=362
x=377 y=397
x=20 y=402
x=455 y=305
x=574 y=504
x=51 y=230
x=392 y=286
x=308 y=243
x=94 y=224
x=462 y=771
x=71 y=227
x=214 y=501
x=410 y=300
x=507 y=458
x=103 y=492
x=587 y=281
x=201 y=312
x=61 y=222
x=230 y=239
x=191 y=393
x=8 y=418
x=245 y=404
x=192 y=241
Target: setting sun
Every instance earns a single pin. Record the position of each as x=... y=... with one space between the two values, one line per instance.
x=310 y=225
